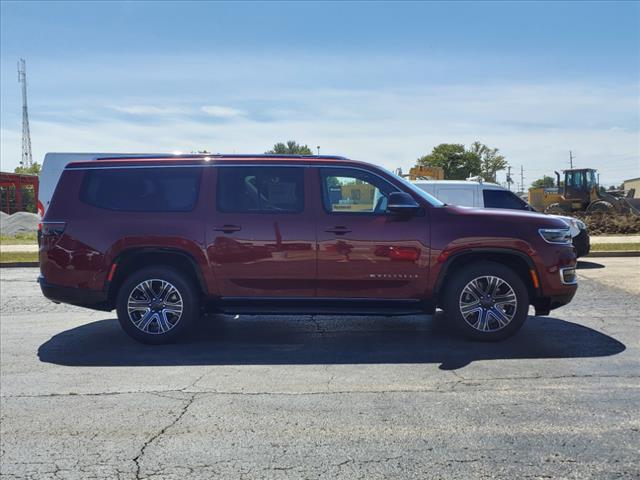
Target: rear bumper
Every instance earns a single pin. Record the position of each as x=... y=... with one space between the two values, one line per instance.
x=94 y=299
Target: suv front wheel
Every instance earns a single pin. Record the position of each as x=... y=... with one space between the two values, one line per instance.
x=157 y=305
x=486 y=301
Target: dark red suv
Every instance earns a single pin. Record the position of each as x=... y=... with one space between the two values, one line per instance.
x=162 y=239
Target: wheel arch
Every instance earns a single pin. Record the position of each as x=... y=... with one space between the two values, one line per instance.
x=518 y=261
x=133 y=259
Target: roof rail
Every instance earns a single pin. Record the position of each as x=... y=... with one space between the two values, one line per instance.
x=223 y=155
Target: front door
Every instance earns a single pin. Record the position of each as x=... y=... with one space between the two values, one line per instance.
x=261 y=234
x=364 y=251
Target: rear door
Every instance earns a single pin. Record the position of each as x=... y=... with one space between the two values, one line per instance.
x=363 y=250
x=261 y=234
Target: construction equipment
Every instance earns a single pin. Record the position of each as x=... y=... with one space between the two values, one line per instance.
x=580 y=193
x=421 y=172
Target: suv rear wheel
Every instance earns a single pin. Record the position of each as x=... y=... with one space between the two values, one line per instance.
x=486 y=301
x=157 y=305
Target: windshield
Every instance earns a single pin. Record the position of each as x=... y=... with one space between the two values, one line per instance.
x=429 y=198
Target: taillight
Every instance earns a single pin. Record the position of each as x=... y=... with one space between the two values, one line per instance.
x=51 y=232
x=53 y=228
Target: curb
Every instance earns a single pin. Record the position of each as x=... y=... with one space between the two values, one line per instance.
x=621 y=253
x=19 y=264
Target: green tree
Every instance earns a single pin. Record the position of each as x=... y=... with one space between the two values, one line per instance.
x=545 y=182
x=491 y=162
x=28 y=194
x=291 y=148
x=457 y=162
x=34 y=169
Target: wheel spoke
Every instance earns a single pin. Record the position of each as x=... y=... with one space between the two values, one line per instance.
x=483 y=320
x=475 y=288
x=500 y=316
x=470 y=308
x=175 y=309
x=508 y=299
x=166 y=290
x=145 y=320
x=163 y=322
x=137 y=305
x=493 y=285
x=147 y=288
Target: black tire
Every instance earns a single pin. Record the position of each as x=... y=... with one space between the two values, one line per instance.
x=600 y=206
x=454 y=301
x=166 y=326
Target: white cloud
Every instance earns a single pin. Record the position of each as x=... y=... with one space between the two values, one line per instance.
x=222 y=112
x=533 y=125
x=149 y=110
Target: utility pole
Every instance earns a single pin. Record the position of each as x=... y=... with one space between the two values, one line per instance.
x=571 y=159
x=509 y=180
x=27 y=159
x=521 y=178
x=318 y=147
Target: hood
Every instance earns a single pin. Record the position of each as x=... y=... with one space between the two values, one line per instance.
x=540 y=220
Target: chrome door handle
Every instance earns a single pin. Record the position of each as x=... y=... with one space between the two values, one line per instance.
x=338 y=230
x=228 y=228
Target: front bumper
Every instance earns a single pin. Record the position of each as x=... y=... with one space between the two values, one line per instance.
x=544 y=305
x=94 y=299
x=582 y=243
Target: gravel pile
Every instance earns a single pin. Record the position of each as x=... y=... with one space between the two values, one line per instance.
x=19 y=222
x=609 y=223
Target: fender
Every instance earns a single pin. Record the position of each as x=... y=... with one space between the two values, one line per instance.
x=480 y=250
x=133 y=251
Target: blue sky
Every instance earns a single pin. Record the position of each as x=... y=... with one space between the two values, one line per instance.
x=383 y=82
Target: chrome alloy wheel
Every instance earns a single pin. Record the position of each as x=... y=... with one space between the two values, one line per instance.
x=488 y=303
x=154 y=306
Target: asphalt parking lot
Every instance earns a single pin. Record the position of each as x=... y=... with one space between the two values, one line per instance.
x=323 y=397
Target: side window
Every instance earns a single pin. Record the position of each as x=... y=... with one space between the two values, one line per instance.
x=503 y=199
x=354 y=191
x=456 y=196
x=260 y=189
x=142 y=189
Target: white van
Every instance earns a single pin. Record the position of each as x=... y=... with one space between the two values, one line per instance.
x=490 y=195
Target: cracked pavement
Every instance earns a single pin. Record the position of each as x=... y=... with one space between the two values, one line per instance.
x=322 y=396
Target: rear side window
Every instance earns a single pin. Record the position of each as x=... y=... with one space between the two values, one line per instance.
x=503 y=199
x=142 y=189
x=260 y=189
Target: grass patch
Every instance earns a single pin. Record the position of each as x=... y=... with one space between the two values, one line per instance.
x=26 y=238
x=615 y=247
x=12 y=257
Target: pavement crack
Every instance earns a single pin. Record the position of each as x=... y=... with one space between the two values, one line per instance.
x=157 y=435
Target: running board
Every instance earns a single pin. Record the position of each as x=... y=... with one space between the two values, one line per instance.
x=313 y=306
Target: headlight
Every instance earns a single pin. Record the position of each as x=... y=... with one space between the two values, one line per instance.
x=561 y=236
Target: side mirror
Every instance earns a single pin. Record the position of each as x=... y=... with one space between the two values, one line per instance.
x=402 y=202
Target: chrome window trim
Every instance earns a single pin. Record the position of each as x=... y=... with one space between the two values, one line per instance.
x=240 y=164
